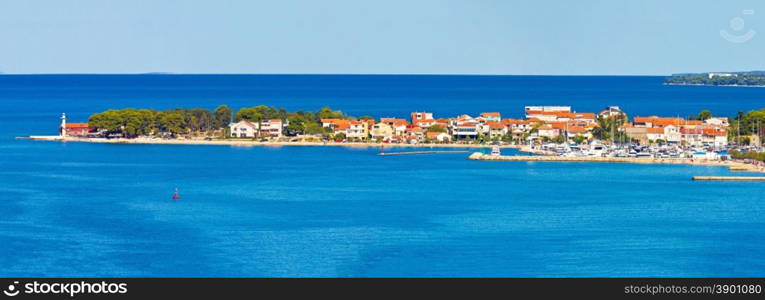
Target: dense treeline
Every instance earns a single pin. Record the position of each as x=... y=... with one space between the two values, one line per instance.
x=132 y=122
x=703 y=79
x=747 y=124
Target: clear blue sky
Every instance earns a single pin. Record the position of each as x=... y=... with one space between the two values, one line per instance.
x=392 y=36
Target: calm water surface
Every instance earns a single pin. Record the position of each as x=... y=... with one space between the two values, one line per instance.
x=75 y=209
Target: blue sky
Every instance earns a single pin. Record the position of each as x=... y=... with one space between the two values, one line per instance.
x=379 y=37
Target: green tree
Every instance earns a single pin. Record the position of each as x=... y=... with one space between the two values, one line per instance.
x=327 y=113
x=222 y=116
x=436 y=128
x=704 y=115
x=172 y=122
x=608 y=127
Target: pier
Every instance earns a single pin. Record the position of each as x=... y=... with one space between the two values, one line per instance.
x=421 y=152
x=729 y=178
x=735 y=165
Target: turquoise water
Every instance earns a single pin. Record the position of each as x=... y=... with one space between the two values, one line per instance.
x=76 y=209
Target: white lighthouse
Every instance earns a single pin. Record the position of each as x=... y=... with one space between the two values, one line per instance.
x=62 y=129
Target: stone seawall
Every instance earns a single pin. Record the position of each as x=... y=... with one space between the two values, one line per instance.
x=733 y=165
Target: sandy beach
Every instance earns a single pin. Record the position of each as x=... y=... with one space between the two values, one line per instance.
x=247 y=143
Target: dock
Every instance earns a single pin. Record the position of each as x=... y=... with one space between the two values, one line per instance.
x=729 y=178
x=735 y=165
x=421 y=152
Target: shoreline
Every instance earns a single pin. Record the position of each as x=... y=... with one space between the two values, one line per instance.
x=249 y=143
x=722 y=85
x=730 y=164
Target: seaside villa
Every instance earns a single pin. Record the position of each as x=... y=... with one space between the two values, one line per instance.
x=358 y=130
x=382 y=130
x=247 y=129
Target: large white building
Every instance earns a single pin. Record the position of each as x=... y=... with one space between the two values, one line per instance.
x=245 y=128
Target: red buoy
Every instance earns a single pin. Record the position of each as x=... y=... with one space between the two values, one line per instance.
x=175 y=195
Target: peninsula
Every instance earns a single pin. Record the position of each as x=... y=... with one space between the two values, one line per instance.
x=745 y=79
x=552 y=133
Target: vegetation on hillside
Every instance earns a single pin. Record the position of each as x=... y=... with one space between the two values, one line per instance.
x=745 y=79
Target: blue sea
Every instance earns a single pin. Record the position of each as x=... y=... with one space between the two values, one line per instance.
x=93 y=210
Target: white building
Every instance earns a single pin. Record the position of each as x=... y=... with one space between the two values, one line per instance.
x=548 y=108
x=243 y=128
x=273 y=127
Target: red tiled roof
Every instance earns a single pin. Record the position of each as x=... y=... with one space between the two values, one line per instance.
x=713 y=132
x=654 y=130
x=76 y=125
x=495 y=125
x=432 y=134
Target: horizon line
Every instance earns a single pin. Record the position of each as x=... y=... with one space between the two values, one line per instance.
x=355 y=74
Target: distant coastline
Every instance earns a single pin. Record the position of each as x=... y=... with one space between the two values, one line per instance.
x=731 y=79
x=720 y=85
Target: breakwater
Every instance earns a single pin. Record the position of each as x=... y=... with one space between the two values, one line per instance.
x=733 y=165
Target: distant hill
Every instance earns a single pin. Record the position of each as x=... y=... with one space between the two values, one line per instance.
x=749 y=78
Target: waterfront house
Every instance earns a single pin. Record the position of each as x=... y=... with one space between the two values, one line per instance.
x=382 y=130
x=464 y=127
x=243 y=129
x=465 y=131
x=358 y=130
x=714 y=137
x=655 y=134
x=336 y=125
x=438 y=136
x=271 y=128
x=414 y=134
x=672 y=134
x=496 y=129
x=266 y=128
x=691 y=136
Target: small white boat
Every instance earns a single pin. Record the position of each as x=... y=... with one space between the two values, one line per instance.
x=495 y=151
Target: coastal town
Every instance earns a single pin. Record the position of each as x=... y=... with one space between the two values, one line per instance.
x=557 y=131
x=541 y=125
